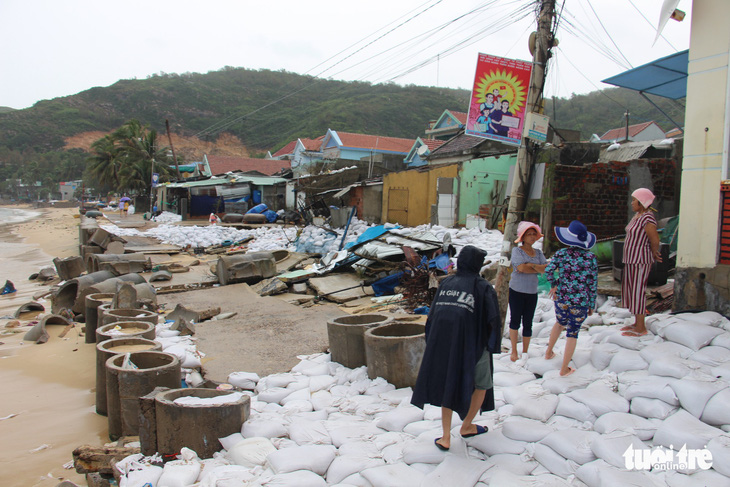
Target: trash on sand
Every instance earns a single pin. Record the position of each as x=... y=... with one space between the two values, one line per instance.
x=42 y=447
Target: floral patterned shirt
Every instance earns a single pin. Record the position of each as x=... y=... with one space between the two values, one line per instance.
x=576 y=279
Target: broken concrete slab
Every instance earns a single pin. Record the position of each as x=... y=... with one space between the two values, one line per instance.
x=125 y=296
x=270 y=287
x=250 y=267
x=161 y=276
x=224 y=316
x=69 y=267
x=340 y=288
x=295 y=298
x=116 y=248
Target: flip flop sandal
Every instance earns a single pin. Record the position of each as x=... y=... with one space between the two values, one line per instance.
x=439 y=445
x=480 y=431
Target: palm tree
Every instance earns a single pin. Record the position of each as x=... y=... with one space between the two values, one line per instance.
x=103 y=164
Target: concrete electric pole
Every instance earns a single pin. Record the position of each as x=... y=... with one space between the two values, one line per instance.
x=544 y=41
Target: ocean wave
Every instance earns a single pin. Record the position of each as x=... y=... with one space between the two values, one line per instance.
x=10 y=216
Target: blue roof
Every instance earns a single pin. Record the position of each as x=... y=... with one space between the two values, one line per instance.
x=665 y=77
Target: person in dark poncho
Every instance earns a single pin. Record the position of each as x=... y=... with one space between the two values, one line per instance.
x=462 y=333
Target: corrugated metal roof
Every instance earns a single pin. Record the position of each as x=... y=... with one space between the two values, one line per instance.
x=631 y=151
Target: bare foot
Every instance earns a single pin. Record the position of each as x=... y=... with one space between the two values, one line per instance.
x=629 y=328
x=549 y=355
x=513 y=357
x=567 y=372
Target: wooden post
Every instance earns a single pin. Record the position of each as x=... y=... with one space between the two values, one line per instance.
x=544 y=41
x=174 y=157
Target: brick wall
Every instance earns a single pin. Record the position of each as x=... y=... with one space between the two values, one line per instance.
x=598 y=194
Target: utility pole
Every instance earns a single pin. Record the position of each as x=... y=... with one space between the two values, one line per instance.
x=174 y=157
x=627 y=124
x=544 y=41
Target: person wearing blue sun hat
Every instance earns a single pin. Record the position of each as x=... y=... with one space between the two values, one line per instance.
x=573 y=288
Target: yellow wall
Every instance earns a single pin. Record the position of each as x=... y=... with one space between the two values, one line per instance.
x=705 y=136
x=421 y=187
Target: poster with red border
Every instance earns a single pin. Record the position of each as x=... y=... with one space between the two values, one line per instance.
x=498 y=99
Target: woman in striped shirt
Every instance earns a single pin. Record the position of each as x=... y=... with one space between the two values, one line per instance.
x=641 y=249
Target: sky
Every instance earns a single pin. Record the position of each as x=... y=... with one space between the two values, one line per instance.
x=55 y=48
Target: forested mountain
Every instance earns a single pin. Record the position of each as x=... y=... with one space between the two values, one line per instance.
x=264 y=110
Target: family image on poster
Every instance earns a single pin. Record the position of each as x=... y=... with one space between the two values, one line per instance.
x=498 y=99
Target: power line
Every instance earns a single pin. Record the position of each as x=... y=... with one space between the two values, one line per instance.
x=609 y=35
x=649 y=22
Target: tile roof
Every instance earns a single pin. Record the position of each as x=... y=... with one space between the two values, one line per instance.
x=619 y=133
x=378 y=142
x=287 y=149
x=313 y=144
x=459 y=143
x=433 y=144
x=460 y=116
x=224 y=164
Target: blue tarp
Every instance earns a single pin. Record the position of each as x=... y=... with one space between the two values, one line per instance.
x=665 y=77
x=386 y=285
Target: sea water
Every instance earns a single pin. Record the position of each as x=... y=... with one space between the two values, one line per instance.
x=9 y=216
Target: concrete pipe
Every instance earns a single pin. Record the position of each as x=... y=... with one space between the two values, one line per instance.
x=66 y=294
x=107 y=315
x=250 y=267
x=144 y=290
x=110 y=285
x=91 y=313
x=124 y=387
x=345 y=336
x=197 y=427
x=109 y=348
x=118 y=263
x=127 y=328
x=394 y=352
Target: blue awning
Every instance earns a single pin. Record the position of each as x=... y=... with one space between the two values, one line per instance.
x=665 y=77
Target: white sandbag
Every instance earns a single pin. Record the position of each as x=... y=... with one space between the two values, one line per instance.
x=611 y=447
x=207 y=465
x=494 y=442
x=379 y=386
x=230 y=441
x=273 y=394
x=694 y=394
x=513 y=395
x=423 y=451
x=309 y=432
x=398 y=474
x=343 y=434
x=297 y=395
x=141 y=476
x=244 y=380
x=298 y=478
x=226 y=475
x=559 y=422
x=417 y=427
x=570 y=408
x=600 y=400
x=516 y=464
x=625 y=360
x=710 y=318
x=600 y=474
x=555 y=384
x=625 y=422
x=691 y=335
x=265 y=425
x=309 y=416
x=355 y=480
x=711 y=355
x=523 y=429
x=321 y=400
x=655 y=387
x=345 y=465
x=316 y=458
x=537 y=407
x=251 y=452
x=573 y=444
x=179 y=473
x=677 y=368
x=657 y=324
x=554 y=462
x=509 y=379
x=662 y=349
x=651 y=408
x=591 y=473
x=540 y=365
x=455 y=470
x=717 y=410
x=317 y=369
x=295 y=406
x=722 y=340
x=397 y=418
x=300 y=382
x=602 y=354
x=321 y=383
x=703 y=477
x=682 y=428
x=397 y=396
x=719 y=447
x=630 y=343
x=275 y=380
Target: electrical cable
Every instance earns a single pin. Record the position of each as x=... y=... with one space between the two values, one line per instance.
x=609 y=35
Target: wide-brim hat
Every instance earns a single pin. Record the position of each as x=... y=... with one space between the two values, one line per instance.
x=576 y=235
x=523 y=227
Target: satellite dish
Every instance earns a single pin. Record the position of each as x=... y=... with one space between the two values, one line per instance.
x=665 y=14
x=423 y=150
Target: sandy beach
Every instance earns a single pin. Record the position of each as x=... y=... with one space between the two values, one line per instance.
x=48 y=399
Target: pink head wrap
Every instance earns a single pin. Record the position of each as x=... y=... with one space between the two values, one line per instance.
x=644 y=196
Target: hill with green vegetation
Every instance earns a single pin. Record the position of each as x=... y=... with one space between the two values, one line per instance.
x=264 y=110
